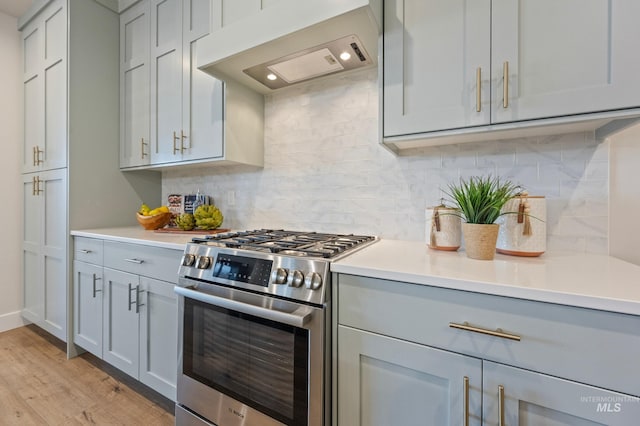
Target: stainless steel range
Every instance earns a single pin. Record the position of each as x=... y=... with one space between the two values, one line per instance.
x=255 y=312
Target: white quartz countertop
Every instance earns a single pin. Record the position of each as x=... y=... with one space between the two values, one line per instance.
x=583 y=280
x=137 y=235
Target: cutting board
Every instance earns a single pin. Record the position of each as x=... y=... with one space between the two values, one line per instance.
x=193 y=231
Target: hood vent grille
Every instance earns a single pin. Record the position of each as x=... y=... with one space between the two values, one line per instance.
x=344 y=54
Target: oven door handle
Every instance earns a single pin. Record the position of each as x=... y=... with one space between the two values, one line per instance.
x=297 y=318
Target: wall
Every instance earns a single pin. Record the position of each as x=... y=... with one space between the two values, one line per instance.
x=624 y=203
x=325 y=171
x=10 y=172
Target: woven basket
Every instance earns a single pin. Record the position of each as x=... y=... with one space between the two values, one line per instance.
x=480 y=240
x=156 y=221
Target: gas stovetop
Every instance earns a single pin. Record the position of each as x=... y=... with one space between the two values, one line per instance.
x=288 y=264
x=289 y=243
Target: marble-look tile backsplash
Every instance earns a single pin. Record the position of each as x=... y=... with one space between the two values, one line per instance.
x=325 y=171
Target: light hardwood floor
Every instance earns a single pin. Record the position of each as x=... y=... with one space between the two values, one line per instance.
x=40 y=386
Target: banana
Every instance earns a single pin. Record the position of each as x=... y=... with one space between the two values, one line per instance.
x=145 y=211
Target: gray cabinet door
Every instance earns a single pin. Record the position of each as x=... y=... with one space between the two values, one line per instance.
x=45 y=89
x=530 y=398
x=135 y=144
x=45 y=250
x=385 y=381
x=166 y=75
x=564 y=57
x=435 y=54
x=32 y=279
x=87 y=307
x=202 y=95
x=120 y=331
x=159 y=336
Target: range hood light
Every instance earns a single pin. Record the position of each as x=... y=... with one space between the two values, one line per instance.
x=271 y=76
x=345 y=56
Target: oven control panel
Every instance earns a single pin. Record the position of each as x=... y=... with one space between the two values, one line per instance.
x=290 y=277
x=243 y=269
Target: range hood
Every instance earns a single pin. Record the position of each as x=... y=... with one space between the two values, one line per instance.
x=292 y=41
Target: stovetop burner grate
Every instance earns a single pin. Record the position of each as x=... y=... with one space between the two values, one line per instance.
x=293 y=243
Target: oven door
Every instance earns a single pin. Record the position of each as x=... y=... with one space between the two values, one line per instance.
x=248 y=359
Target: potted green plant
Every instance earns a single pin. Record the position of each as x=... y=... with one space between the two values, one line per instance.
x=480 y=201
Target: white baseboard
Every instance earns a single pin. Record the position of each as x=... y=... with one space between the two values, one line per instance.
x=11 y=320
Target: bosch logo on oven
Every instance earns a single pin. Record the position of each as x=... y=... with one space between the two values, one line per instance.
x=236 y=412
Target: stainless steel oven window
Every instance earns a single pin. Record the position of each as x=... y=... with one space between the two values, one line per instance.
x=259 y=362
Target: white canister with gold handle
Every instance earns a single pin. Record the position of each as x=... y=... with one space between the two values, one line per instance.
x=523 y=228
x=443 y=228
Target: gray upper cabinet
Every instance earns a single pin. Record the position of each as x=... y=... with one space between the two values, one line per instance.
x=187 y=123
x=430 y=65
x=45 y=90
x=453 y=68
x=171 y=112
x=562 y=57
x=135 y=143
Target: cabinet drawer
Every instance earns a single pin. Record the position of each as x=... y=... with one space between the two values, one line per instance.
x=154 y=262
x=584 y=345
x=88 y=250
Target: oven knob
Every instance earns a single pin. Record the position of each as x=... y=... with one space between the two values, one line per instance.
x=313 y=281
x=188 y=259
x=279 y=276
x=203 y=262
x=295 y=279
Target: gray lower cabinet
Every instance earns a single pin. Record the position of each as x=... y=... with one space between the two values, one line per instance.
x=120 y=328
x=412 y=354
x=158 y=336
x=384 y=381
x=128 y=319
x=531 y=398
x=87 y=314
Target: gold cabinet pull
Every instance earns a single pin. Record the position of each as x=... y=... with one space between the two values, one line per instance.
x=478 y=89
x=36 y=156
x=496 y=333
x=505 y=84
x=466 y=400
x=500 y=405
x=36 y=186
x=182 y=138
x=142 y=145
x=175 y=139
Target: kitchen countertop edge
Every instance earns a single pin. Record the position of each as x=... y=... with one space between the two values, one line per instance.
x=581 y=280
x=137 y=235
